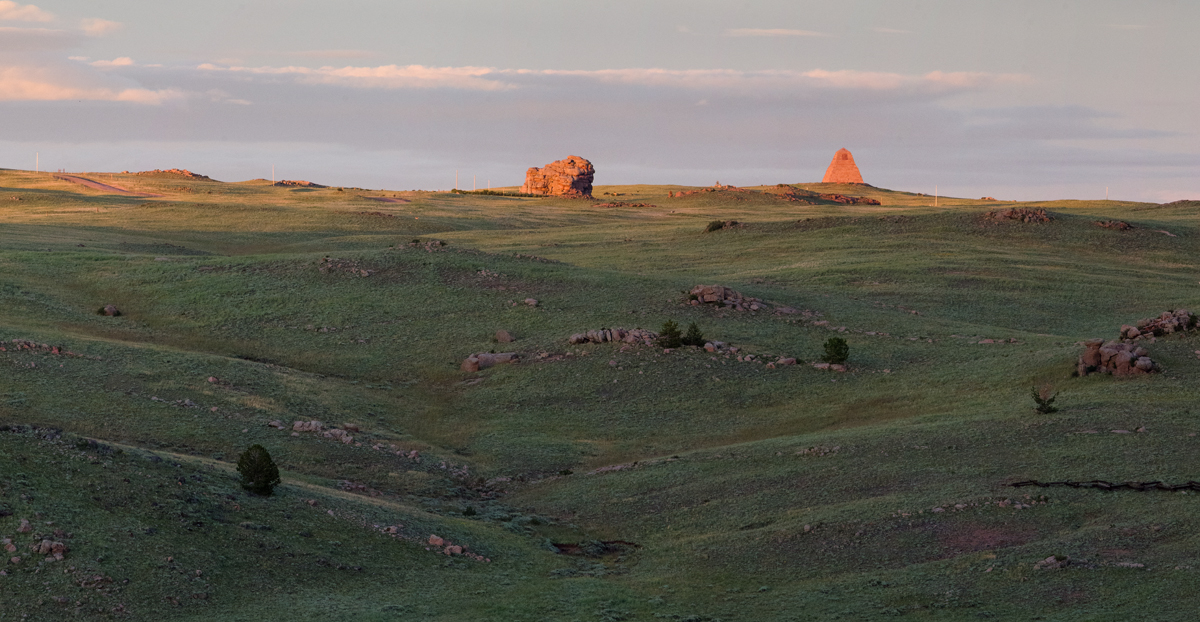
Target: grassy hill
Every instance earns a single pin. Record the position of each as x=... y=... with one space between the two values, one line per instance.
x=596 y=481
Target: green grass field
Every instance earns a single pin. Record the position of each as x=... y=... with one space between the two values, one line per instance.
x=594 y=482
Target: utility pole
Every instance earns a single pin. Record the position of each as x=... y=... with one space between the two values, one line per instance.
x=935 y=195
x=37 y=162
x=472 y=183
x=1106 y=193
x=456 y=179
x=272 y=174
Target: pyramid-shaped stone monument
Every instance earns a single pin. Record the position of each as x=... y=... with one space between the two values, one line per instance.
x=842 y=170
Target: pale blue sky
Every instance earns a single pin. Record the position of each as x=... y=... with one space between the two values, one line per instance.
x=1017 y=99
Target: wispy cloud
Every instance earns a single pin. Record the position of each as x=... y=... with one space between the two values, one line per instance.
x=332 y=54
x=47 y=84
x=96 y=27
x=773 y=32
x=12 y=11
x=892 y=31
x=491 y=79
x=14 y=39
x=386 y=76
x=123 y=61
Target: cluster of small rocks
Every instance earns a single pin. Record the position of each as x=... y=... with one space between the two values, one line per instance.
x=329 y=265
x=1115 y=358
x=623 y=204
x=484 y=360
x=1020 y=213
x=109 y=310
x=54 y=550
x=724 y=297
x=431 y=246
x=298 y=183
x=1118 y=225
x=340 y=434
x=1169 y=322
x=449 y=548
x=607 y=335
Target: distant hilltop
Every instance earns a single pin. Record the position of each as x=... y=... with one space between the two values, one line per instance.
x=171 y=172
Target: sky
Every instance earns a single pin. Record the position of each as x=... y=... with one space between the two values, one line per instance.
x=1022 y=99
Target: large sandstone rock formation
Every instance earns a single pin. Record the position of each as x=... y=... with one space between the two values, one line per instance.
x=842 y=170
x=571 y=177
x=1115 y=358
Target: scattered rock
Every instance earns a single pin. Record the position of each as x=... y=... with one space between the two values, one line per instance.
x=307 y=426
x=329 y=265
x=1118 y=225
x=484 y=360
x=531 y=302
x=436 y=541
x=503 y=336
x=1020 y=213
x=1054 y=562
x=25 y=527
x=109 y=310
x=725 y=297
x=277 y=424
x=571 y=177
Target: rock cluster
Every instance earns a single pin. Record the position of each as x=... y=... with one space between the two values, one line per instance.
x=724 y=297
x=53 y=550
x=571 y=177
x=109 y=310
x=623 y=204
x=606 y=335
x=1169 y=322
x=841 y=198
x=299 y=183
x=1114 y=358
x=842 y=170
x=1019 y=213
x=319 y=428
x=328 y=265
x=1118 y=225
x=484 y=360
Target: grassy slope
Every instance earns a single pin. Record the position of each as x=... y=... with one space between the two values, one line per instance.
x=735 y=515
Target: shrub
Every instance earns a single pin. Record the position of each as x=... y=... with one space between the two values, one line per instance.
x=1044 y=400
x=836 y=351
x=258 y=471
x=669 y=336
x=693 y=337
x=715 y=225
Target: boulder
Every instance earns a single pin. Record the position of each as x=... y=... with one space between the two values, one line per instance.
x=503 y=336
x=484 y=360
x=110 y=310
x=571 y=177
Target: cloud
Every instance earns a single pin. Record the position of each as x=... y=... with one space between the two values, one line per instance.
x=12 y=11
x=386 y=76
x=772 y=32
x=1128 y=26
x=740 y=83
x=24 y=83
x=892 y=31
x=123 y=61
x=96 y=27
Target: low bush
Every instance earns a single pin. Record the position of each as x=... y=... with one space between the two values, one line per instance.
x=836 y=351
x=1044 y=399
x=258 y=471
x=669 y=336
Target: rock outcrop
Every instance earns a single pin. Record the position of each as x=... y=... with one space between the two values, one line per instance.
x=484 y=360
x=1114 y=358
x=1169 y=322
x=606 y=335
x=571 y=177
x=1020 y=213
x=842 y=170
x=725 y=297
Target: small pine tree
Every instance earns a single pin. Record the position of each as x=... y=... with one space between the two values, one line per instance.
x=693 y=337
x=1044 y=400
x=258 y=471
x=669 y=336
x=836 y=351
